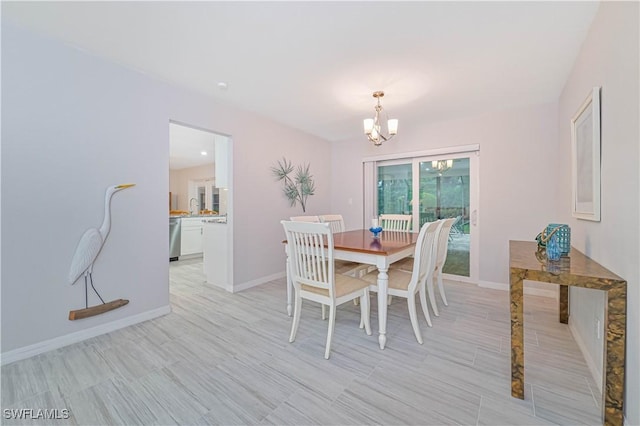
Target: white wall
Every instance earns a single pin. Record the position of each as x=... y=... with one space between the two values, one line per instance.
x=609 y=58
x=74 y=124
x=179 y=182
x=517 y=182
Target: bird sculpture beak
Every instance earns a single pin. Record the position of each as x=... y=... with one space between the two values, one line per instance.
x=125 y=185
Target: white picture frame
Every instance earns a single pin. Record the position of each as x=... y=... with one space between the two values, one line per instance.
x=585 y=159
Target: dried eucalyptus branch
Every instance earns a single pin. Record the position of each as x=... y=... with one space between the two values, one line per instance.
x=298 y=189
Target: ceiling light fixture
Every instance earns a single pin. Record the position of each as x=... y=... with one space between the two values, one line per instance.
x=441 y=165
x=373 y=127
x=203 y=153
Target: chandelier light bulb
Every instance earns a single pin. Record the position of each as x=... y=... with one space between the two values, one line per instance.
x=393 y=126
x=368 y=126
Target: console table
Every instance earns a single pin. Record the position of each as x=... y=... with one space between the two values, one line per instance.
x=575 y=270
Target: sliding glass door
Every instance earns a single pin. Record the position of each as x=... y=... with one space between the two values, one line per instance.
x=432 y=188
x=395 y=189
x=444 y=193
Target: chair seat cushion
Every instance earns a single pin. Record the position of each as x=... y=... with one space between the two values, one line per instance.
x=344 y=285
x=405 y=264
x=398 y=279
x=348 y=268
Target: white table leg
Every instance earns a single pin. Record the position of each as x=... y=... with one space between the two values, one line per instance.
x=289 y=283
x=383 y=285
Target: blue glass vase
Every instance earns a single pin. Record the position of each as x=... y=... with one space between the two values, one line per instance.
x=376 y=231
x=553 y=248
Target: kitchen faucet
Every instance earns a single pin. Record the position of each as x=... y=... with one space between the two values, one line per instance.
x=197 y=205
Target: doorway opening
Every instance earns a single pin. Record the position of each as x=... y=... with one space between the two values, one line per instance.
x=199 y=208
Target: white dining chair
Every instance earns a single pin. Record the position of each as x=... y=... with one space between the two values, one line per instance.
x=314 y=277
x=440 y=253
x=443 y=248
x=335 y=221
x=395 y=222
x=313 y=219
x=354 y=269
x=408 y=284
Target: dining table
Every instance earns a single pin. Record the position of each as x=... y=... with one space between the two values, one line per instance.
x=381 y=251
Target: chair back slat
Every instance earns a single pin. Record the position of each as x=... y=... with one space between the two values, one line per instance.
x=443 y=241
x=335 y=221
x=424 y=256
x=395 y=222
x=313 y=219
x=312 y=262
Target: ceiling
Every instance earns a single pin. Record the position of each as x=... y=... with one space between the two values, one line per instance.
x=314 y=65
x=187 y=144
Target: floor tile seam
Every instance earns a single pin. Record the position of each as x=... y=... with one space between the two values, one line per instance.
x=67 y=399
x=22 y=403
x=533 y=400
x=246 y=387
x=397 y=398
x=312 y=389
x=175 y=378
x=479 y=411
x=595 y=400
x=563 y=392
x=151 y=395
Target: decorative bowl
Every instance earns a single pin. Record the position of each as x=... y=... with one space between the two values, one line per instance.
x=376 y=231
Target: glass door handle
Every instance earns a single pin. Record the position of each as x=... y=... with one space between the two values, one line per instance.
x=474 y=217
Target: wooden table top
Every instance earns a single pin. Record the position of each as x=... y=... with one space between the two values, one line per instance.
x=362 y=241
x=522 y=255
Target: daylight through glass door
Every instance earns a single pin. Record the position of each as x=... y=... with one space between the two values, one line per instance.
x=443 y=191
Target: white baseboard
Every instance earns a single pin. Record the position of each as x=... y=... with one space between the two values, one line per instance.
x=541 y=292
x=595 y=373
x=225 y=286
x=258 y=281
x=533 y=291
x=493 y=285
x=458 y=278
x=68 y=339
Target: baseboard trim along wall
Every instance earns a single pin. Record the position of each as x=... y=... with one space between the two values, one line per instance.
x=493 y=285
x=78 y=336
x=596 y=373
x=533 y=291
x=258 y=281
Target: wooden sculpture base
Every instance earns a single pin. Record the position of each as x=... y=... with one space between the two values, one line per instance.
x=97 y=310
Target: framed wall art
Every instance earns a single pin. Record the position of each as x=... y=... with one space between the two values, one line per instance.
x=585 y=158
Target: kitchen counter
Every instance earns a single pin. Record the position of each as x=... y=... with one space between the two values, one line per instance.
x=213 y=218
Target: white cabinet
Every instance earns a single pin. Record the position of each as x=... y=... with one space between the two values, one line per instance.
x=191 y=236
x=216 y=255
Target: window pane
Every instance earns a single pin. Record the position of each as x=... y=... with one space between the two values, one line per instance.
x=444 y=193
x=201 y=197
x=215 y=199
x=394 y=189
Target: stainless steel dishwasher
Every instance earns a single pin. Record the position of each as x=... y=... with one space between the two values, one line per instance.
x=174 y=238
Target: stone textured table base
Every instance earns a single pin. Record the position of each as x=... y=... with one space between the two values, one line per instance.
x=579 y=271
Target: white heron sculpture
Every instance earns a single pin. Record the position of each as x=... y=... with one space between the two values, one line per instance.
x=86 y=253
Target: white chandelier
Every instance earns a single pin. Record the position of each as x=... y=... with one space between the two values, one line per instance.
x=441 y=165
x=373 y=127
